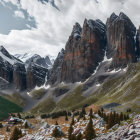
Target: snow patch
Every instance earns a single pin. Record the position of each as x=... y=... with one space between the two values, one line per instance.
x=4 y=80
x=98 y=85
x=106 y=59
x=11 y=61
x=43 y=86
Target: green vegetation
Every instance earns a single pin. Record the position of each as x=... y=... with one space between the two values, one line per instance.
x=45 y=106
x=72 y=100
x=37 y=94
x=15 y=98
x=7 y=107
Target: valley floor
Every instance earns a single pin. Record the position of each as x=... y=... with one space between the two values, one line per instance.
x=42 y=129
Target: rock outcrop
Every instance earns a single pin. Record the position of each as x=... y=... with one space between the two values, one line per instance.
x=125 y=132
x=54 y=74
x=84 y=50
x=35 y=75
x=19 y=76
x=120 y=41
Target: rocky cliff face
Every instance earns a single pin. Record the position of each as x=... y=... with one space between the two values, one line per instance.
x=19 y=76
x=120 y=39
x=35 y=75
x=13 y=72
x=6 y=70
x=54 y=74
x=84 y=50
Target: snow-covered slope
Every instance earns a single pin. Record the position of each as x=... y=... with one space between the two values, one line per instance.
x=8 y=57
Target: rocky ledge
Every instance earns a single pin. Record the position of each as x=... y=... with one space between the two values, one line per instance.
x=126 y=132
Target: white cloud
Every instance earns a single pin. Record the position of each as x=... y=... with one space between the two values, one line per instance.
x=54 y=27
x=19 y=14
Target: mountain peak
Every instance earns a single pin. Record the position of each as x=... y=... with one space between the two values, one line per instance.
x=77 y=31
x=5 y=52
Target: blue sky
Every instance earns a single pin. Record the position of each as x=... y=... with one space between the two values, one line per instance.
x=11 y=21
x=43 y=26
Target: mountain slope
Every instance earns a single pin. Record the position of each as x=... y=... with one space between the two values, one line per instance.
x=7 y=107
x=122 y=89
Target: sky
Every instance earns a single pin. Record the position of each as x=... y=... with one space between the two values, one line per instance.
x=44 y=26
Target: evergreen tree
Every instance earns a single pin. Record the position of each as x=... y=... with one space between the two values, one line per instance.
x=83 y=111
x=127 y=116
x=16 y=134
x=102 y=112
x=66 y=118
x=70 y=132
x=117 y=119
x=78 y=118
x=26 y=125
x=121 y=117
x=91 y=113
x=90 y=132
x=110 y=121
x=79 y=137
x=1 y=126
x=73 y=137
x=56 y=123
x=19 y=116
x=84 y=118
x=81 y=115
x=72 y=122
x=56 y=132
x=7 y=129
x=99 y=113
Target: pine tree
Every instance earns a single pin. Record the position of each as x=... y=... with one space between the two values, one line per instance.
x=90 y=132
x=72 y=122
x=56 y=123
x=84 y=118
x=70 y=132
x=7 y=129
x=121 y=117
x=1 y=126
x=79 y=137
x=117 y=119
x=110 y=121
x=91 y=113
x=16 y=134
x=78 y=118
x=81 y=115
x=73 y=137
x=56 y=132
x=127 y=116
x=102 y=112
x=99 y=113
x=66 y=119
x=26 y=125
x=83 y=111
x=19 y=116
